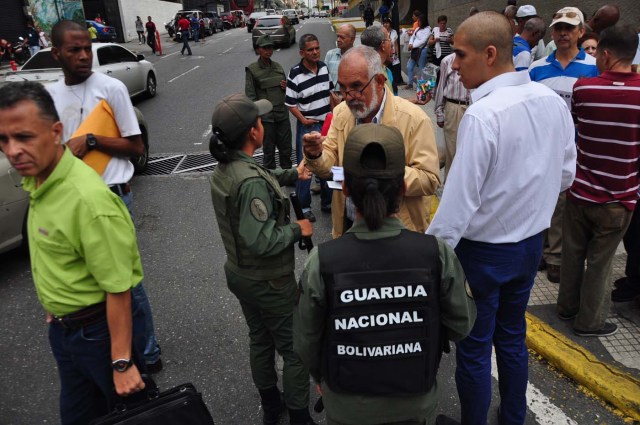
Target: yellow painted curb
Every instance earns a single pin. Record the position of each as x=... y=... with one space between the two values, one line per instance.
x=608 y=382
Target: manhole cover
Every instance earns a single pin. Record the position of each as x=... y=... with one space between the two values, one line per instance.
x=192 y=163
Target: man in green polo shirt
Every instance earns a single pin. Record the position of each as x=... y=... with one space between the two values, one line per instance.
x=84 y=258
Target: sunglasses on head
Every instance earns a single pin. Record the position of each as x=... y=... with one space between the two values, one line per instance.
x=570 y=15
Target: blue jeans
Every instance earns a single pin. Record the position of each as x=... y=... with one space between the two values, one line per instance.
x=303 y=187
x=84 y=365
x=500 y=277
x=151 y=348
x=196 y=33
x=423 y=60
x=185 y=42
x=411 y=64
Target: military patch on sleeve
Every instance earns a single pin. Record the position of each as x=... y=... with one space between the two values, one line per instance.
x=259 y=209
x=468 y=289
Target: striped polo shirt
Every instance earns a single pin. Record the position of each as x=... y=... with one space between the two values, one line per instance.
x=550 y=72
x=308 y=91
x=608 y=115
x=521 y=53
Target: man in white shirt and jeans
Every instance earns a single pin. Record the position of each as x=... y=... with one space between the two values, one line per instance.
x=500 y=195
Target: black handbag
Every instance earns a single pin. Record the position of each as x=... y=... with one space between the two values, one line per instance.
x=182 y=405
x=415 y=54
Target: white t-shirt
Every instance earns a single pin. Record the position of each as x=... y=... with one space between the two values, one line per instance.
x=75 y=103
x=636 y=60
x=393 y=35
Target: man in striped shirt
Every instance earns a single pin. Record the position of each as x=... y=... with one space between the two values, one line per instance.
x=308 y=99
x=532 y=33
x=452 y=101
x=559 y=71
x=603 y=196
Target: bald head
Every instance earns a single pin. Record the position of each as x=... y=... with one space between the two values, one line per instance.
x=607 y=16
x=533 y=30
x=348 y=29
x=486 y=29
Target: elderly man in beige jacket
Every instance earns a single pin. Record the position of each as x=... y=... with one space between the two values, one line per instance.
x=367 y=100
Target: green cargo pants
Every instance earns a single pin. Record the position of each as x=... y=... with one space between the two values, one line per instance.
x=268 y=310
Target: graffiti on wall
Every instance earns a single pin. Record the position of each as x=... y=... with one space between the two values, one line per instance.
x=47 y=12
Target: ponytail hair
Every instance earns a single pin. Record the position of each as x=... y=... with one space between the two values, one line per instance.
x=222 y=149
x=375 y=198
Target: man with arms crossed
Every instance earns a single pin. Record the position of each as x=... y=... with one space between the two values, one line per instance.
x=499 y=198
x=83 y=283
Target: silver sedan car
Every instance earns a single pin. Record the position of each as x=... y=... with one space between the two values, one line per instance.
x=13 y=207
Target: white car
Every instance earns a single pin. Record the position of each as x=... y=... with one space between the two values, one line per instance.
x=138 y=74
x=13 y=207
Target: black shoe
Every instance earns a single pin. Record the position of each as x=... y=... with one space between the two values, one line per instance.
x=542 y=265
x=567 y=316
x=154 y=367
x=625 y=292
x=606 y=330
x=310 y=216
x=300 y=417
x=326 y=209
x=445 y=420
x=272 y=406
x=553 y=273
x=620 y=282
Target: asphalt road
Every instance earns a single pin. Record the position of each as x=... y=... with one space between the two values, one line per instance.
x=198 y=322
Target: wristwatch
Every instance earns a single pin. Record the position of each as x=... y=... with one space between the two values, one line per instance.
x=92 y=142
x=121 y=365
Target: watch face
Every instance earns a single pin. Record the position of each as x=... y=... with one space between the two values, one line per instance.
x=121 y=365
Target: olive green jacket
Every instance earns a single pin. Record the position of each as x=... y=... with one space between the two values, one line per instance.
x=253 y=217
x=262 y=81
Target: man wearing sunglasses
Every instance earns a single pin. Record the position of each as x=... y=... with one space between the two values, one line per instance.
x=559 y=71
x=367 y=100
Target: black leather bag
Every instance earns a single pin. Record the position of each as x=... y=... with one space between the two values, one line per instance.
x=181 y=405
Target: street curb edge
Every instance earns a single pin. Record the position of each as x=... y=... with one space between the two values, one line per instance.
x=607 y=381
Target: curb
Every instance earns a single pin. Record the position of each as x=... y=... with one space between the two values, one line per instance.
x=606 y=381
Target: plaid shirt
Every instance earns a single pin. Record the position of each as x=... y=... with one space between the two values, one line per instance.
x=449 y=87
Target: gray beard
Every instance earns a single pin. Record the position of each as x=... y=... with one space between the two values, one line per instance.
x=368 y=109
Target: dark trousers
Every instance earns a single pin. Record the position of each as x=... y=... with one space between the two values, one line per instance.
x=631 y=242
x=268 y=310
x=303 y=187
x=277 y=134
x=185 y=42
x=500 y=277
x=151 y=41
x=84 y=365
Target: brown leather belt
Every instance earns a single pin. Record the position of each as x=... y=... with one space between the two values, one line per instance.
x=84 y=317
x=457 y=102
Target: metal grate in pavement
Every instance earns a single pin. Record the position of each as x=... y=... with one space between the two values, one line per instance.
x=192 y=163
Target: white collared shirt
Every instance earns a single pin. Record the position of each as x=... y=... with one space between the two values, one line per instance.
x=508 y=170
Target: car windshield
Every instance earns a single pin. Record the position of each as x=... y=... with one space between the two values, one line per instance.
x=269 y=22
x=41 y=60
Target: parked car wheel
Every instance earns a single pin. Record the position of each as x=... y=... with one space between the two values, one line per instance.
x=152 y=86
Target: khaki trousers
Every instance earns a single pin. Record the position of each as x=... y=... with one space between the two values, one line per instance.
x=591 y=233
x=452 y=116
x=552 y=253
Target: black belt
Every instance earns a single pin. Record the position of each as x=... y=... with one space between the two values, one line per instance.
x=120 y=189
x=84 y=317
x=457 y=102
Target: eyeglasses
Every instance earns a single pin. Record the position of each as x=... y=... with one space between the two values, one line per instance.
x=570 y=15
x=355 y=92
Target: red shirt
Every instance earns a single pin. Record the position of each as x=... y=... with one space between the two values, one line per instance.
x=608 y=140
x=184 y=24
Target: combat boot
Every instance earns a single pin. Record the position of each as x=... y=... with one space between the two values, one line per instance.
x=300 y=417
x=272 y=405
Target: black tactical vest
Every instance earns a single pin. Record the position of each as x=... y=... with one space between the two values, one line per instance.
x=383 y=318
